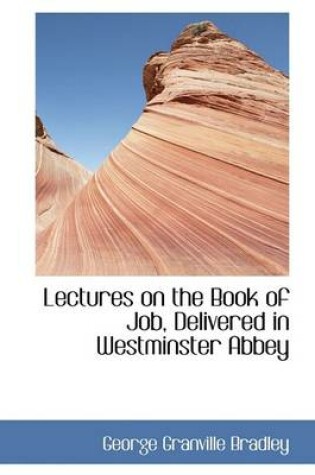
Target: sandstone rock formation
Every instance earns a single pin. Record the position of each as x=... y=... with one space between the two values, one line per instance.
x=58 y=178
x=199 y=185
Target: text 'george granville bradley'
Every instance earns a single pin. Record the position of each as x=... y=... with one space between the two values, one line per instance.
x=235 y=443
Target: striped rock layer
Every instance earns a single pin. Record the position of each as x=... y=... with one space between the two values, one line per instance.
x=199 y=186
x=58 y=179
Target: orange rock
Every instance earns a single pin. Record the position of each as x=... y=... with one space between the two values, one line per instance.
x=200 y=183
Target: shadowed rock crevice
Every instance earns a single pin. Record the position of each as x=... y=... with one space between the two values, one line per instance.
x=39 y=128
x=153 y=75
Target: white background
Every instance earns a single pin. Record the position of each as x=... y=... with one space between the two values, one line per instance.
x=49 y=369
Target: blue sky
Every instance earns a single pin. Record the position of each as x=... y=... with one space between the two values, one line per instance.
x=89 y=69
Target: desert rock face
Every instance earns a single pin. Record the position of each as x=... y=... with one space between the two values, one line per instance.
x=58 y=179
x=200 y=183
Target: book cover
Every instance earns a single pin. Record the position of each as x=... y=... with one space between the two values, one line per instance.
x=157 y=257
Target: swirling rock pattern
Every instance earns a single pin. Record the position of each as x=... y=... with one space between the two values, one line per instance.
x=199 y=186
x=58 y=179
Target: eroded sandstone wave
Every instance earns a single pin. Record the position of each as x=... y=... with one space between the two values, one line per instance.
x=199 y=185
